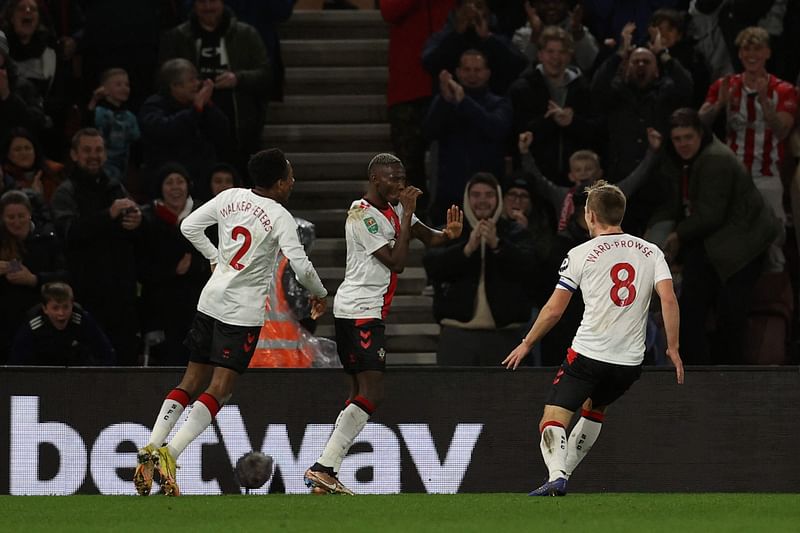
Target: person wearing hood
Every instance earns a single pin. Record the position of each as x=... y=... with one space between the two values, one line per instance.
x=484 y=281
x=472 y=125
x=232 y=55
x=100 y=227
x=172 y=272
x=551 y=100
x=722 y=229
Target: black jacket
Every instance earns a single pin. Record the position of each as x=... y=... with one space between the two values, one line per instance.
x=81 y=343
x=510 y=273
x=42 y=255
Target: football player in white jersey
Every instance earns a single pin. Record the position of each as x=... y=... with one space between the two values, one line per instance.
x=616 y=273
x=378 y=229
x=253 y=227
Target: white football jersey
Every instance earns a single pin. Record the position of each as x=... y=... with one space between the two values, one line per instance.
x=252 y=230
x=616 y=274
x=369 y=285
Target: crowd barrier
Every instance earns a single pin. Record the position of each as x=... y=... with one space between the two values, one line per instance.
x=66 y=431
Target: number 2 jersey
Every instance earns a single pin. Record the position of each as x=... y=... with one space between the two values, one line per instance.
x=252 y=230
x=369 y=285
x=616 y=274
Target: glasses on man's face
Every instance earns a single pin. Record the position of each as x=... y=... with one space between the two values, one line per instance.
x=518 y=195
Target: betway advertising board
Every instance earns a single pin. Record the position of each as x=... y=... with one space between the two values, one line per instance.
x=68 y=431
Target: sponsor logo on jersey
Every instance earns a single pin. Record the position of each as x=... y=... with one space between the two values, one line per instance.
x=372 y=225
x=564 y=265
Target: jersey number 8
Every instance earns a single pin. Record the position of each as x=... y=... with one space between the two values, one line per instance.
x=623 y=293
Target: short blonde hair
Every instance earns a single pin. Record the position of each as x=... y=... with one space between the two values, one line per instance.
x=585 y=155
x=607 y=201
x=752 y=36
x=554 y=33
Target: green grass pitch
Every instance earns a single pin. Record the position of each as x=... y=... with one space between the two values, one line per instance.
x=674 y=513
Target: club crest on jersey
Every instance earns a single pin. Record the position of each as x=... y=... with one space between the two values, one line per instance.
x=564 y=265
x=372 y=225
x=382 y=354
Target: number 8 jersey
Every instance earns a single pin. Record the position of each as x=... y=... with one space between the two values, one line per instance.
x=616 y=274
x=252 y=230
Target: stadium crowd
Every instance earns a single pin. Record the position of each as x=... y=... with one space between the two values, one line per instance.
x=119 y=118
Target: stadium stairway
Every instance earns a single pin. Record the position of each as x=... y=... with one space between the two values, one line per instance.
x=332 y=121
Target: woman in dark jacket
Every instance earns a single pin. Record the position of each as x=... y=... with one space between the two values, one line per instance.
x=172 y=272
x=30 y=256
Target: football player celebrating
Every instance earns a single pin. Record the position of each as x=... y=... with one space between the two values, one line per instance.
x=253 y=228
x=616 y=273
x=378 y=230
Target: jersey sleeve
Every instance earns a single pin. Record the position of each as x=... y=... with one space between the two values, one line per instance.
x=193 y=228
x=366 y=230
x=662 y=269
x=304 y=271
x=569 y=273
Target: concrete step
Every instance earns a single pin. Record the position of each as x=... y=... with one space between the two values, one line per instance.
x=335 y=52
x=413 y=338
x=333 y=252
x=330 y=166
x=326 y=194
x=345 y=109
x=336 y=80
x=410 y=282
x=345 y=24
x=327 y=222
x=328 y=137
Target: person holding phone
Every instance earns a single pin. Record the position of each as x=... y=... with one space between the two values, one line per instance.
x=29 y=257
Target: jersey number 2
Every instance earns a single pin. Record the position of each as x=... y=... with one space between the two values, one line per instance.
x=623 y=292
x=237 y=232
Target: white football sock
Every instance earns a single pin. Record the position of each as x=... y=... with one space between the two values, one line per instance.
x=169 y=415
x=197 y=421
x=581 y=439
x=350 y=423
x=554 y=451
x=336 y=425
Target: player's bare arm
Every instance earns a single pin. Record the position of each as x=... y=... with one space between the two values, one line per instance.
x=452 y=230
x=671 y=314
x=548 y=317
x=395 y=257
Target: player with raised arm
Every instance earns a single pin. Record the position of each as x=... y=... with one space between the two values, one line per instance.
x=253 y=228
x=378 y=230
x=616 y=273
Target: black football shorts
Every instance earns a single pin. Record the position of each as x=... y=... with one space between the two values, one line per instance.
x=580 y=377
x=361 y=344
x=212 y=342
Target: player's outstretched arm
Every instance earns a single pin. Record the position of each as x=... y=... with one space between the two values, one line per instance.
x=548 y=317
x=452 y=230
x=671 y=314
